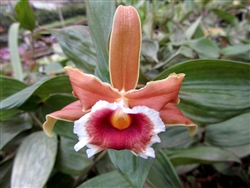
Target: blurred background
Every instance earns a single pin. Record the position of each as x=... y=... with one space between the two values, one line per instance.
x=39 y=37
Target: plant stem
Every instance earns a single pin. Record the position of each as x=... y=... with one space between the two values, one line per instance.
x=36 y=119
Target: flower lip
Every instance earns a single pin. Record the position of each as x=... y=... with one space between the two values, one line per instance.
x=95 y=130
x=120 y=120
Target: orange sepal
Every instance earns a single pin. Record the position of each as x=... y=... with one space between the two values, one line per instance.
x=70 y=112
x=156 y=94
x=89 y=89
x=172 y=116
x=124 y=49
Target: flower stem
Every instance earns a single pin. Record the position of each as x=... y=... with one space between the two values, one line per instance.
x=36 y=119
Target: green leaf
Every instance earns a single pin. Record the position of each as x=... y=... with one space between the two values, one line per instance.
x=232 y=170
x=240 y=151
x=162 y=173
x=54 y=68
x=212 y=90
x=6 y=114
x=134 y=169
x=192 y=28
x=58 y=84
x=60 y=180
x=58 y=101
x=226 y=16
x=150 y=49
x=6 y=90
x=147 y=26
x=169 y=59
x=5 y=173
x=199 y=33
x=186 y=51
x=104 y=165
x=42 y=88
x=32 y=104
x=14 y=53
x=200 y=154
x=231 y=133
x=25 y=15
x=66 y=153
x=34 y=160
x=11 y=128
x=77 y=45
x=111 y=179
x=235 y=50
x=65 y=129
x=100 y=19
x=185 y=16
x=204 y=47
x=16 y=85
x=176 y=137
x=183 y=169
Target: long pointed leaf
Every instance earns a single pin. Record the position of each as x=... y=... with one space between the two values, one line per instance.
x=162 y=173
x=192 y=28
x=134 y=169
x=25 y=15
x=110 y=179
x=200 y=154
x=6 y=90
x=77 y=45
x=213 y=90
x=34 y=161
x=204 y=47
x=42 y=88
x=235 y=50
x=225 y=15
x=11 y=128
x=231 y=133
x=14 y=53
x=100 y=17
x=66 y=153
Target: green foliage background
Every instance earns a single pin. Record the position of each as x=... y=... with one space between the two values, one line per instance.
x=206 y=40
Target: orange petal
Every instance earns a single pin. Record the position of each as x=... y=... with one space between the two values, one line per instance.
x=89 y=89
x=70 y=112
x=124 y=50
x=156 y=94
x=172 y=116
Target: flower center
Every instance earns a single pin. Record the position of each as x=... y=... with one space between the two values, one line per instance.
x=120 y=120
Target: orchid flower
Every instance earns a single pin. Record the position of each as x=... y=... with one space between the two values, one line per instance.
x=118 y=116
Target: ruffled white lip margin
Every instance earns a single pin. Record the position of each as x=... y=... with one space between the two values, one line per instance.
x=153 y=115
